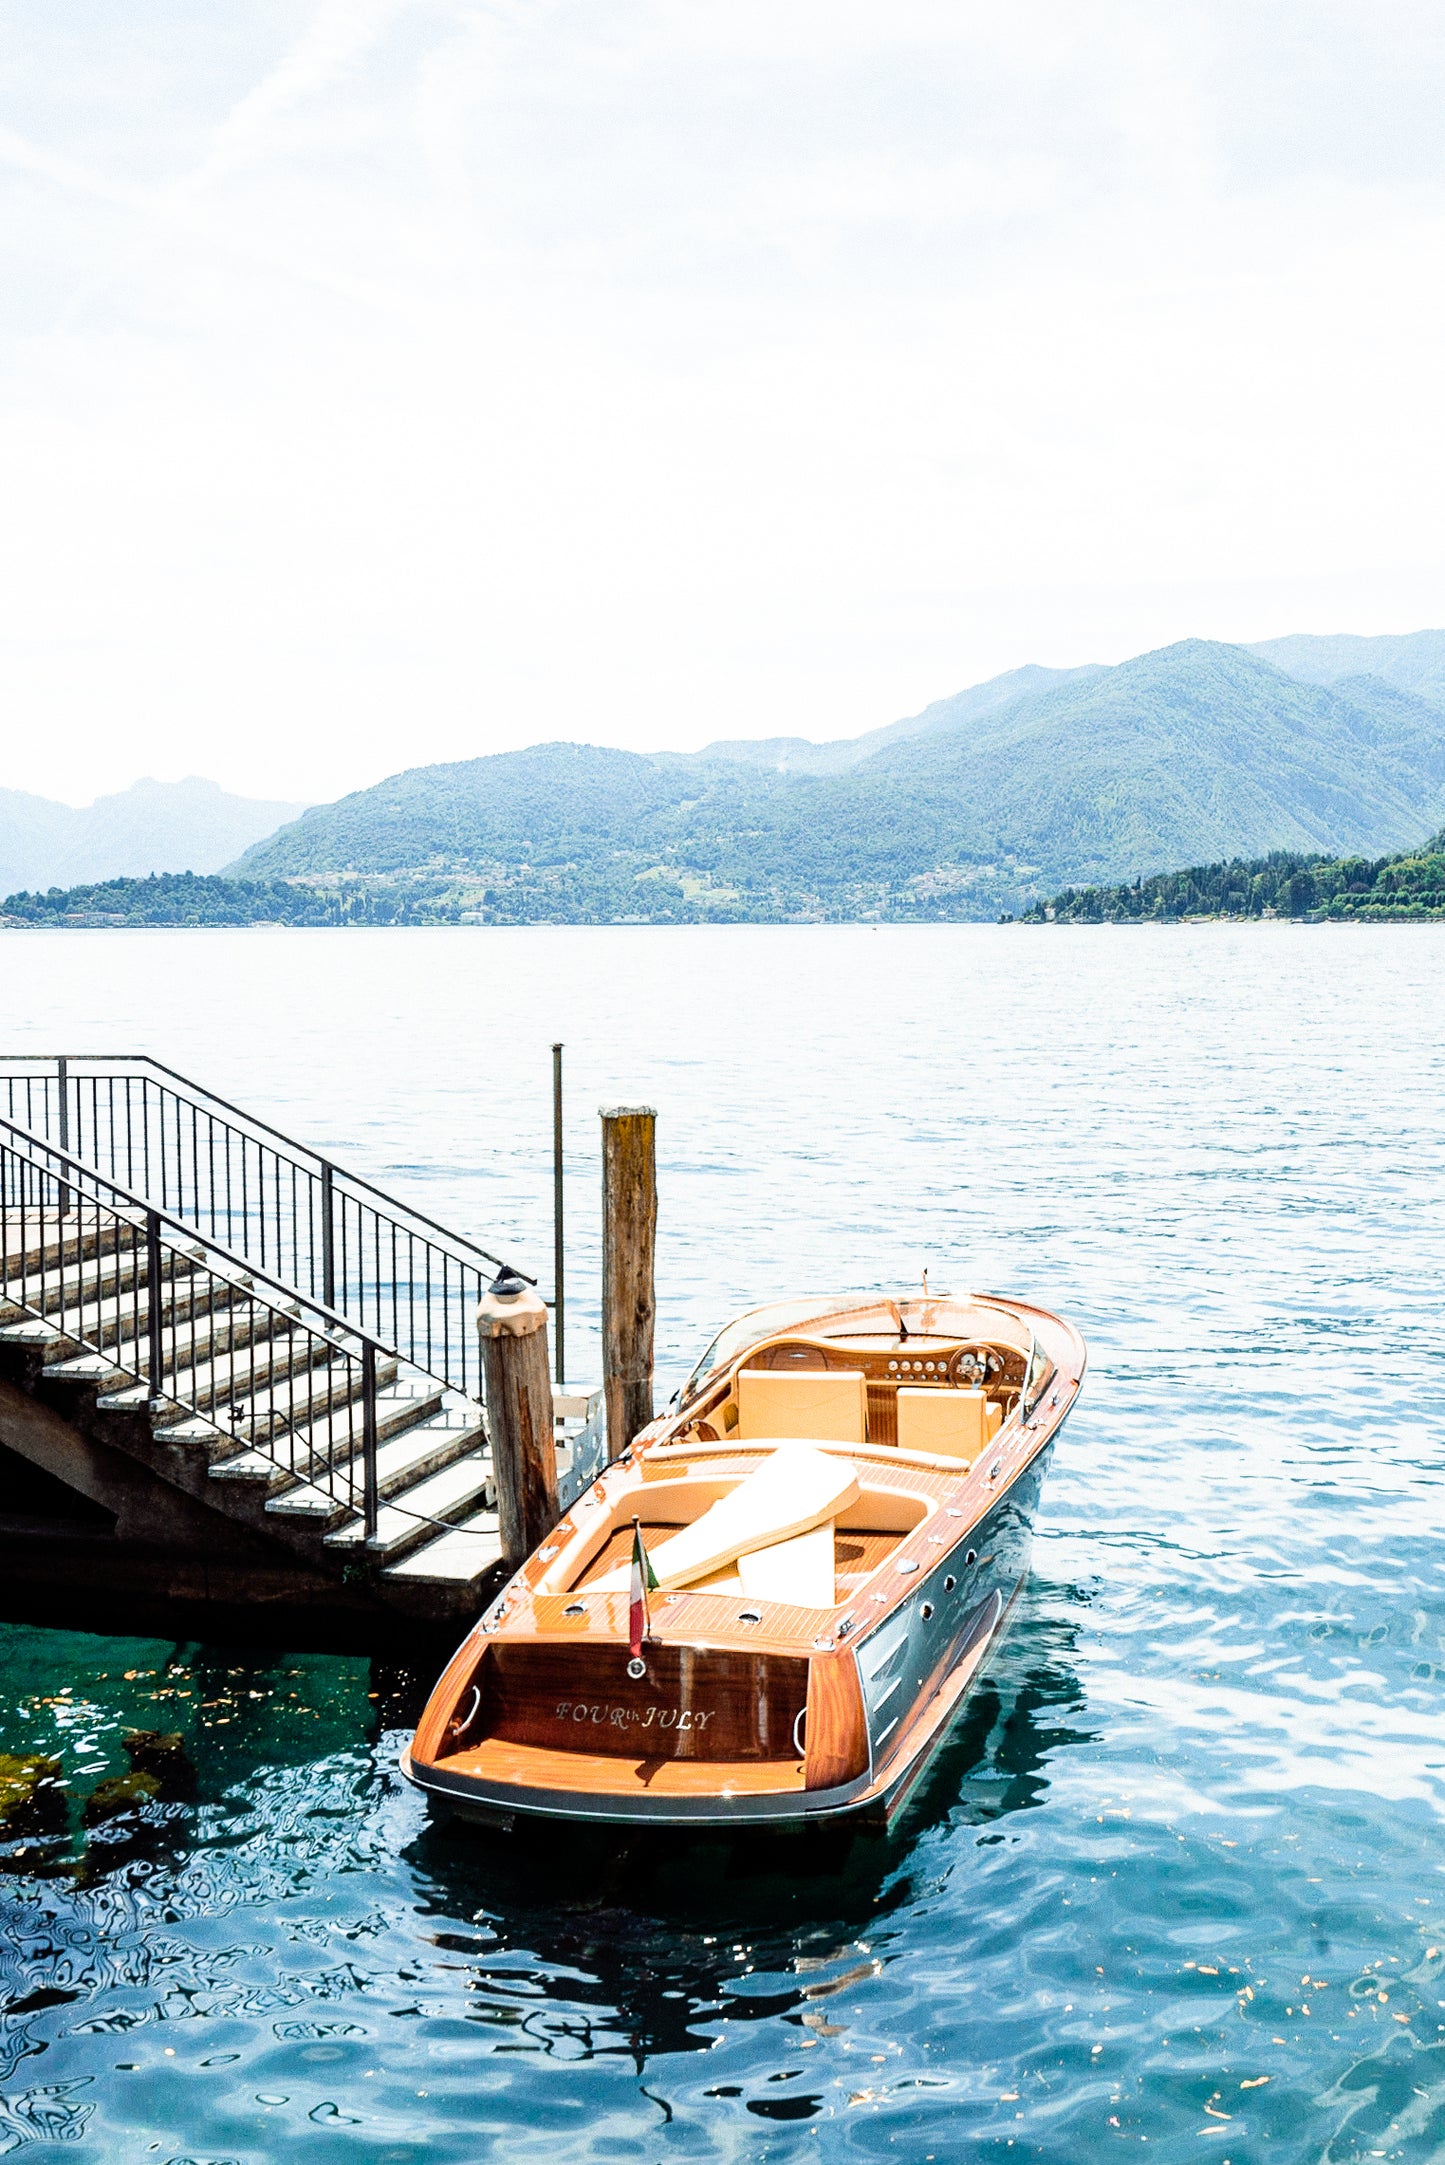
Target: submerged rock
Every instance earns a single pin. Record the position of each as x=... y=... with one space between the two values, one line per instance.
x=118 y=1794
x=31 y=1798
x=163 y=1757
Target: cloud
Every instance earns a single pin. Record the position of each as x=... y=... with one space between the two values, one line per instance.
x=441 y=377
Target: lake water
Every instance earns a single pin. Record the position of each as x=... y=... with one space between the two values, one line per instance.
x=1176 y=1888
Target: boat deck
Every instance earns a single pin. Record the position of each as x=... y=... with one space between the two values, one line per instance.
x=536 y=1766
x=857 y=1554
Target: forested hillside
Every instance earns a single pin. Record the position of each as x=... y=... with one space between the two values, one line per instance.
x=1413 y=661
x=1196 y=751
x=1283 y=884
x=1086 y=779
x=181 y=898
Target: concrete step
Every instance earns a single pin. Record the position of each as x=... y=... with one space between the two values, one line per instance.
x=411 y=1455
x=209 y=1347
x=291 y=1377
x=32 y=1331
x=99 y=1278
x=460 y=1557
x=273 y=1400
x=195 y=1428
x=201 y=1315
x=307 y=1451
x=33 y=1240
x=406 y=1521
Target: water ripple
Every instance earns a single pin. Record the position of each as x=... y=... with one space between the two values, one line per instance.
x=1173 y=1887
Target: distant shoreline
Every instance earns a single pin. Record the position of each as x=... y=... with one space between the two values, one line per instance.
x=765 y=924
x=1285 y=886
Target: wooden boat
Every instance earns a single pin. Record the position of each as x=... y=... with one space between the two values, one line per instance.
x=837 y=1516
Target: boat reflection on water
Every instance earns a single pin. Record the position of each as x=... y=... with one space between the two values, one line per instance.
x=641 y=1942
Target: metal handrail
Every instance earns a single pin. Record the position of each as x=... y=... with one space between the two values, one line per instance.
x=307 y=1221
x=221 y=1305
x=63 y=1062
x=77 y=1171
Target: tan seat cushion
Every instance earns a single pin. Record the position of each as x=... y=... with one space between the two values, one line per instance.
x=953 y=1423
x=825 y=1405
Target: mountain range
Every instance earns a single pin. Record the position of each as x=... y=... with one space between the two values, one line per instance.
x=983 y=802
x=987 y=801
x=150 y=827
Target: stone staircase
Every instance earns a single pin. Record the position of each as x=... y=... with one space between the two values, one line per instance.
x=242 y=1322
x=260 y=1418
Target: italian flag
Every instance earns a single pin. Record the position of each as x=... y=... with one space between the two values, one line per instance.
x=644 y=1582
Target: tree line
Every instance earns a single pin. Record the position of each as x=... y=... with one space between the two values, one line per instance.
x=1286 y=883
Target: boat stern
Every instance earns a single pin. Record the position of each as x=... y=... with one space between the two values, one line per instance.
x=705 y=1734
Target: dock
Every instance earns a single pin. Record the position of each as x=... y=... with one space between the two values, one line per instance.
x=235 y=1376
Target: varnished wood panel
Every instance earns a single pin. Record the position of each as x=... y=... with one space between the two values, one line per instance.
x=528 y=1766
x=857 y=1555
x=692 y=1703
x=837 y=1730
x=452 y=1687
x=883 y=1413
x=699 y=1619
x=617 y=1549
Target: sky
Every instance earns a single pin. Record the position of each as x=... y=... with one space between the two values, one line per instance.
x=385 y=382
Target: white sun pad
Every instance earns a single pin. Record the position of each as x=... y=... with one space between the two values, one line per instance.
x=793 y=1491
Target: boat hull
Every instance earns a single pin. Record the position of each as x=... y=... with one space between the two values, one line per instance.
x=916 y=1669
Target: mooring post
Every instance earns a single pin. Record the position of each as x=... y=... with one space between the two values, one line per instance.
x=559 y=1244
x=512 y=1321
x=629 y=1238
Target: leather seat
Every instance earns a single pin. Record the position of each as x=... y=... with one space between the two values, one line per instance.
x=811 y=1404
x=955 y=1424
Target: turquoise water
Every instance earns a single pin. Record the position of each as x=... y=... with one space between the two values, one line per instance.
x=1176 y=1888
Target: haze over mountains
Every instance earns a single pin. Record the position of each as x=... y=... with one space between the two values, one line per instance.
x=151 y=827
x=1413 y=661
x=985 y=801
x=799 y=755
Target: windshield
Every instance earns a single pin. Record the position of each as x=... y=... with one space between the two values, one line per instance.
x=746 y=1330
x=734 y=1339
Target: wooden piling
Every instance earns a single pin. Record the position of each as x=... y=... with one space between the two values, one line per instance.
x=629 y=1235
x=512 y=1322
x=559 y=1244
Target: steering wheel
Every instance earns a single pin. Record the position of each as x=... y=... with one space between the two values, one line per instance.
x=974 y=1365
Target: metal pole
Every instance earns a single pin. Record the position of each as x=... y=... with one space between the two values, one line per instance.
x=157 y=1348
x=557 y=1239
x=368 y=1432
x=328 y=1240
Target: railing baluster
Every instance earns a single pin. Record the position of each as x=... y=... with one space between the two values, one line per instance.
x=238 y=1198
x=62 y=1079
x=156 y=1373
x=328 y=1235
x=368 y=1432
